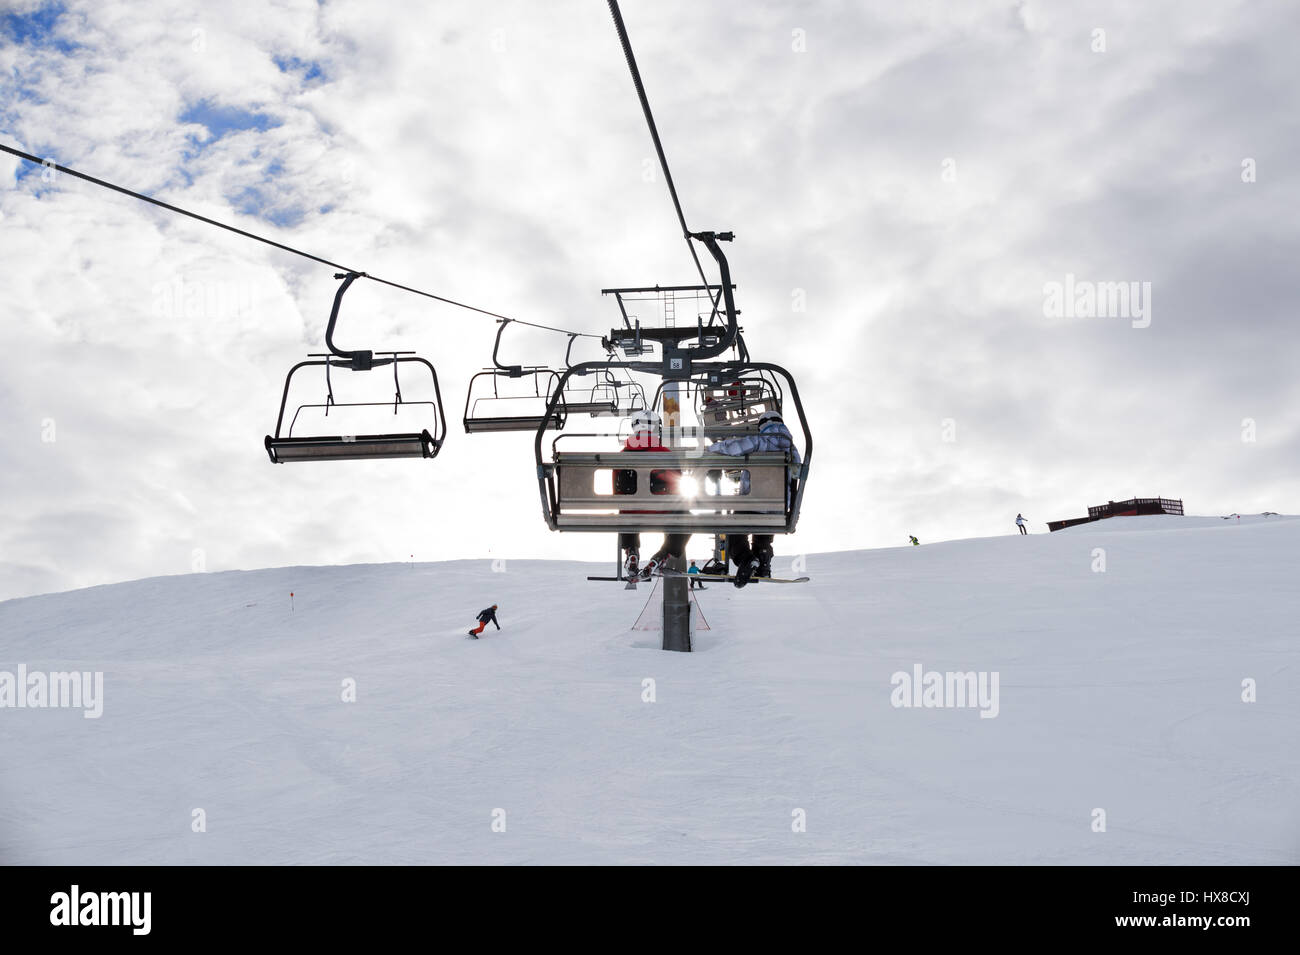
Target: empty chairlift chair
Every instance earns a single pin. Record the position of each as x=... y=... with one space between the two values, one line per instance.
x=598 y=400
x=492 y=405
x=610 y=395
x=286 y=445
x=615 y=396
x=738 y=403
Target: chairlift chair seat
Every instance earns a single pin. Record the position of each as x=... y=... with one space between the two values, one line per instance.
x=485 y=424
x=352 y=447
x=592 y=407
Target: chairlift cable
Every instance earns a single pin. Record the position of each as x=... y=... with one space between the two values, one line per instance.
x=654 y=131
x=279 y=245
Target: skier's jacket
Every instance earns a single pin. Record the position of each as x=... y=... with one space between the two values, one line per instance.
x=625 y=480
x=774 y=436
x=488 y=616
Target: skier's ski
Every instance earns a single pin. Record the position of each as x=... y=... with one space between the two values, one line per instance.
x=672 y=573
x=770 y=580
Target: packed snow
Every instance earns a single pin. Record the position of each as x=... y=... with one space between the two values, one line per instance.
x=1126 y=653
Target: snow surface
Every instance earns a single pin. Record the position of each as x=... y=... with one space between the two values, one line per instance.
x=1118 y=690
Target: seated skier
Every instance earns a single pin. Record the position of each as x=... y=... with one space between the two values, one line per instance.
x=644 y=436
x=753 y=558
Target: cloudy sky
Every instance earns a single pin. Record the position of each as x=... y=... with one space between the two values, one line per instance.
x=920 y=176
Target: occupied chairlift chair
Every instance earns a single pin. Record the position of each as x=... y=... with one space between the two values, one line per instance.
x=577 y=486
x=285 y=446
x=495 y=411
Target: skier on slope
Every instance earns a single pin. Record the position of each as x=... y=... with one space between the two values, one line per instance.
x=1020 y=523
x=645 y=437
x=484 y=618
x=695 y=576
x=915 y=542
x=755 y=558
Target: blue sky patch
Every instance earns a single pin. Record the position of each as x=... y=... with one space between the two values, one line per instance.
x=309 y=69
x=37 y=177
x=36 y=28
x=252 y=201
x=221 y=120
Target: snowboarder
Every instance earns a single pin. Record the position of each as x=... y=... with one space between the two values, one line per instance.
x=753 y=557
x=695 y=575
x=1020 y=523
x=484 y=618
x=915 y=542
x=645 y=437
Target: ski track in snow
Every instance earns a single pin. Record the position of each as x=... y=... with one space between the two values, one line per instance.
x=1118 y=690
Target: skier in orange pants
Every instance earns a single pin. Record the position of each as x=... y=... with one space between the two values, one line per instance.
x=484 y=618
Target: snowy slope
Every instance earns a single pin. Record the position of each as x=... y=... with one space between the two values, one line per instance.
x=1119 y=690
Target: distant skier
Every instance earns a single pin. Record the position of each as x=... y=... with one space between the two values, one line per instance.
x=484 y=618
x=1020 y=523
x=754 y=558
x=695 y=574
x=915 y=542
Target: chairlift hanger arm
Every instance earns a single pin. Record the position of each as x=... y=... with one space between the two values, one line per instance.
x=514 y=371
x=742 y=351
x=568 y=352
x=360 y=360
x=710 y=241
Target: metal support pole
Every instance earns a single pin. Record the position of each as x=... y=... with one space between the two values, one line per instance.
x=677 y=608
x=677 y=597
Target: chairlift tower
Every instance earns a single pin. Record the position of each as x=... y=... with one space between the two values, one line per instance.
x=677 y=598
